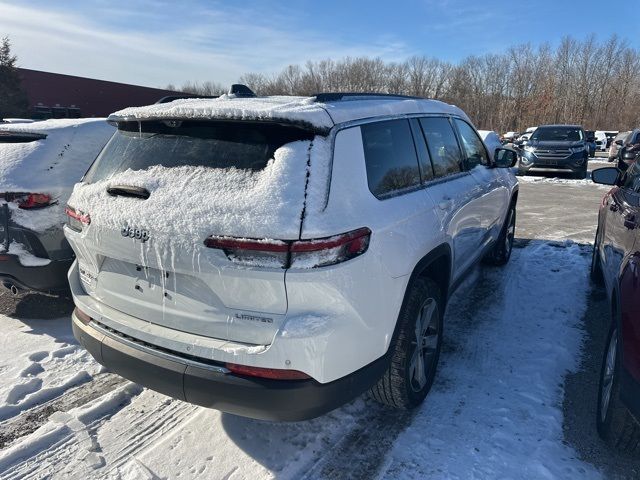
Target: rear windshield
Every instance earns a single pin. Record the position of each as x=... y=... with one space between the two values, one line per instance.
x=558 y=134
x=241 y=145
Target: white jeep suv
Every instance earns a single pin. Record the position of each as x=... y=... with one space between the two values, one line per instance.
x=275 y=257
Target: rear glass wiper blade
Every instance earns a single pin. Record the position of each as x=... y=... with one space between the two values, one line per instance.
x=128 y=191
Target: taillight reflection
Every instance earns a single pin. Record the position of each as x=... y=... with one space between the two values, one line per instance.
x=293 y=254
x=28 y=201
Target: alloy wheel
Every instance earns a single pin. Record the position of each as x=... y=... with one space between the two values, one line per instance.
x=427 y=336
x=608 y=375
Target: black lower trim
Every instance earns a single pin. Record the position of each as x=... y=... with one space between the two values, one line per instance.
x=48 y=278
x=264 y=399
x=630 y=392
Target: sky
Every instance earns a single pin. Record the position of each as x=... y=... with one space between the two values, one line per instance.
x=158 y=42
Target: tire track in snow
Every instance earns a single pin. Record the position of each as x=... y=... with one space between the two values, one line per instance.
x=44 y=453
x=149 y=429
x=141 y=424
x=361 y=453
x=32 y=419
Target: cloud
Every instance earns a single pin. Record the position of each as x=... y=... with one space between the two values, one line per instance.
x=174 y=43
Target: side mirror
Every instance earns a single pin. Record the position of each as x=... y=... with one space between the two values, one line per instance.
x=619 y=142
x=605 y=176
x=505 y=158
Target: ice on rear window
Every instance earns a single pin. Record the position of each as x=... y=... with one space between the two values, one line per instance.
x=194 y=201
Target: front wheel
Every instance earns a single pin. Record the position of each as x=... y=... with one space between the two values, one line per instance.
x=616 y=426
x=415 y=349
x=501 y=251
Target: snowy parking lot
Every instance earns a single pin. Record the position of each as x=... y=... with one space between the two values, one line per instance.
x=513 y=398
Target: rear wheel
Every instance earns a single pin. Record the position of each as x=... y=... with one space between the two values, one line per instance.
x=615 y=424
x=415 y=350
x=501 y=251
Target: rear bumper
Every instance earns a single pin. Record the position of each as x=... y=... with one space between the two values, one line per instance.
x=47 y=278
x=211 y=385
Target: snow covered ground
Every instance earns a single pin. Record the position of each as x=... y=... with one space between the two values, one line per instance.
x=494 y=412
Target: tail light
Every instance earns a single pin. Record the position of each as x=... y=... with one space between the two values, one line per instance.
x=319 y=252
x=76 y=219
x=29 y=201
x=271 y=373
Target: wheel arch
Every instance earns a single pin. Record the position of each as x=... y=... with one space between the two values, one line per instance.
x=437 y=265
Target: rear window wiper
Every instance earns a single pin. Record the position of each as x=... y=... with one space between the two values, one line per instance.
x=128 y=191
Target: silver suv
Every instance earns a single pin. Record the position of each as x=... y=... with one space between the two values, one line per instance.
x=275 y=257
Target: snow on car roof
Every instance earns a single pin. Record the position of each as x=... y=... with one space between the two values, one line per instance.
x=54 y=162
x=303 y=110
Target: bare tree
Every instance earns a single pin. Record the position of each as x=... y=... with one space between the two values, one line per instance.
x=596 y=84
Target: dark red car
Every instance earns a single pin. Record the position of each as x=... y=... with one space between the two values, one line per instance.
x=616 y=263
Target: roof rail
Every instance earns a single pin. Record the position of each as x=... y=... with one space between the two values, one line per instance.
x=171 y=98
x=339 y=96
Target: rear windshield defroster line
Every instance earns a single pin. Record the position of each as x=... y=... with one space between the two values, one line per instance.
x=241 y=145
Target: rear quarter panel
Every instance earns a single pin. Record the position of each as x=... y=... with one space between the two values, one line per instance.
x=358 y=302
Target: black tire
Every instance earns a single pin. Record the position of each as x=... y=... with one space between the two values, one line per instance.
x=581 y=175
x=595 y=272
x=616 y=426
x=501 y=252
x=399 y=386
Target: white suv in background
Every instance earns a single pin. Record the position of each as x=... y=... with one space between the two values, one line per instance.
x=275 y=257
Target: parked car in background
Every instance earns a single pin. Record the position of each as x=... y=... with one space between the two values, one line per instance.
x=39 y=164
x=591 y=143
x=610 y=136
x=206 y=254
x=526 y=135
x=601 y=140
x=616 y=264
x=628 y=149
x=557 y=147
x=510 y=137
x=618 y=141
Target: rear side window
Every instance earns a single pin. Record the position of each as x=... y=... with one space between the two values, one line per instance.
x=245 y=146
x=390 y=157
x=443 y=146
x=475 y=152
